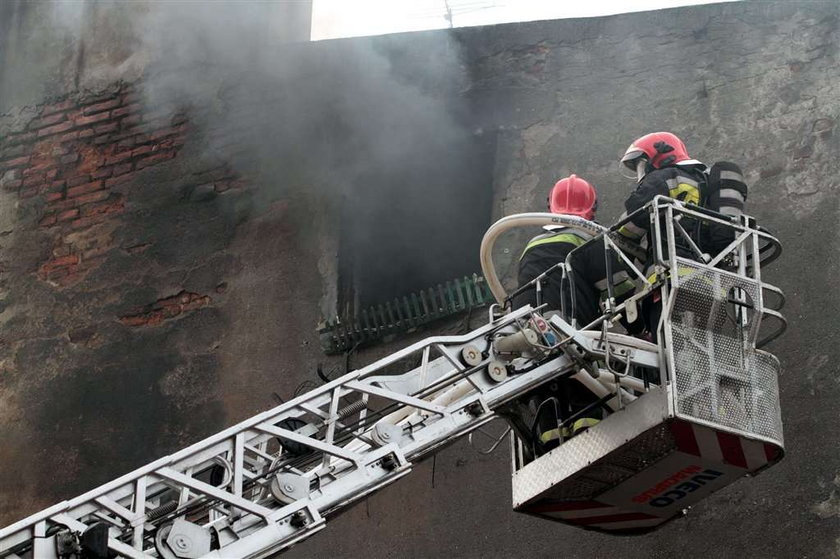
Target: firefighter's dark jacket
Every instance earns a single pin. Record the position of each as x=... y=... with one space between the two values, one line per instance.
x=588 y=272
x=686 y=183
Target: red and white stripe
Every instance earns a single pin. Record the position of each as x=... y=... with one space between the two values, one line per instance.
x=594 y=514
x=720 y=447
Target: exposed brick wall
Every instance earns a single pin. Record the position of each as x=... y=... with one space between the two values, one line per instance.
x=72 y=155
x=166 y=308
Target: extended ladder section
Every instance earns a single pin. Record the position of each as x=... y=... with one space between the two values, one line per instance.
x=274 y=479
x=681 y=418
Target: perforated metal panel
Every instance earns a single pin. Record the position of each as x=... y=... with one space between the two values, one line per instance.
x=618 y=466
x=720 y=378
x=599 y=459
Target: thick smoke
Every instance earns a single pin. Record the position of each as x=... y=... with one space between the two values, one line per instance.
x=362 y=128
x=368 y=132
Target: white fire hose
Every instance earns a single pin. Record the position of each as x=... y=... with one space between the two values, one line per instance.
x=525 y=220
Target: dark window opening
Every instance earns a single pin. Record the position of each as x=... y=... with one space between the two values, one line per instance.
x=408 y=228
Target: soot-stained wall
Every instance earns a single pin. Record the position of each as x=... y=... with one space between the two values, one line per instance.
x=218 y=259
x=172 y=238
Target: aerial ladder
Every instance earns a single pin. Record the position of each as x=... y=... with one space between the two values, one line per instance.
x=683 y=417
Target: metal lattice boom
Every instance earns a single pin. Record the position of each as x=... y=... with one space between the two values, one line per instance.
x=272 y=480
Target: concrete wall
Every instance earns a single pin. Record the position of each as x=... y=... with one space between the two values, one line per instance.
x=753 y=82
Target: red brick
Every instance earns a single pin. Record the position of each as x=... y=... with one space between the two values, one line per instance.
x=16 y=162
x=197 y=303
x=40 y=168
x=84 y=188
x=102 y=172
x=77 y=180
x=154 y=159
x=60 y=150
x=69 y=136
x=53 y=196
x=51 y=174
x=92 y=119
x=69 y=158
x=55 y=129
x=122 y=169
x=29 y=171
x=97 y=196
x=57 y=185
x=61 y=205
x=117 y=157
x=136 y=320
x=132 y=120
x=105 y=128
x=126 y=110
x=33 y=180
x=86 y=133
x=66 y=215
x=158 y=134
x=114 y=181
x=47 y=121
x=102 y=208
x=141 y=150
x=68 y=260
x=28 y=193
x=47 y=220
x=84 y=222
x=103 y=106
x=126 y=143
x=57 y=107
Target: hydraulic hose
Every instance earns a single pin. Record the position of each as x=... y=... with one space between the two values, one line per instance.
x=525 y=220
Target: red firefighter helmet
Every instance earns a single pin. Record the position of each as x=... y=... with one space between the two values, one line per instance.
x=573 y=196
x=659 y=149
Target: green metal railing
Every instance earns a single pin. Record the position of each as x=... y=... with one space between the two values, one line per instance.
x=404 y=314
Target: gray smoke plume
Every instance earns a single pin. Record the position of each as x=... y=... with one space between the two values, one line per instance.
x=370 y=128
x=370 y=132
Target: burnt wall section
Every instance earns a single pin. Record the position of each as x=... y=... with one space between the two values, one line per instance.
x=115 y=285
x=68 y=165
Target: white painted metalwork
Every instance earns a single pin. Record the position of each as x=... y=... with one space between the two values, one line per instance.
x=272 y=480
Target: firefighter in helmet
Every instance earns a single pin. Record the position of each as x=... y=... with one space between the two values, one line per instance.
x=570 y=196
x=580 y=295
x=662 y=166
